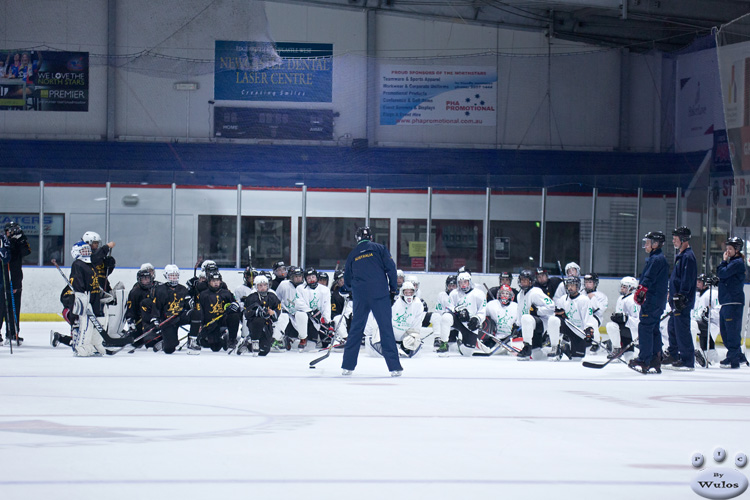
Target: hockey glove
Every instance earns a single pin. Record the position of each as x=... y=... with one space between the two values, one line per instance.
x=618 y=318
x=679 y=302
x=315 y=315
x=640 y=295
x=473 y=324
x=463 y=316
x=589 y=338
x=154 y=322
x=232 y=307
x=394 y=294
x=344 y=291
x=191 y=303
x=704 y=315
x=515 y=331
x=559 y=312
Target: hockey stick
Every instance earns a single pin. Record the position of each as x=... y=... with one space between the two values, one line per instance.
x=7 y=306
x=89 y=311
x=15 y=314
x=589 y=364
x=150 y=330
x=333 y=340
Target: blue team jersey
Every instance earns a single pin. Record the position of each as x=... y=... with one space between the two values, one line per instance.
x=370 y=270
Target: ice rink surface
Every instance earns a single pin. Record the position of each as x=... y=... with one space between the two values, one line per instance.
x=146 y=425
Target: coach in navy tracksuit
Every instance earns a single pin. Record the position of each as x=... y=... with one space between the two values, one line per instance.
x=370 y=274
x=651 y=295
x=682 y=284
x=731 y=273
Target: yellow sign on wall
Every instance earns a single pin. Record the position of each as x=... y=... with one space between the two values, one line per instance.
x=417 y=249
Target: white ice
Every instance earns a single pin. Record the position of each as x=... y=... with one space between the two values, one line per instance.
x=146 y=425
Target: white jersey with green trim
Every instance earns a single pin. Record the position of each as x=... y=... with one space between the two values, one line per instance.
x=503 y=316
x=475 y=302
x=579 y=311
x=309 y=299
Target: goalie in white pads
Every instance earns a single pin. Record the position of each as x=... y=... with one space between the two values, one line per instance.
x=623 y=328
x=536 y=311
x=407 y=314
x=576 y=328
x=85 y=284
x=468 y=306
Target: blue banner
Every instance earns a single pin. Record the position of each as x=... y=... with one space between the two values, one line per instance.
x=264 y=71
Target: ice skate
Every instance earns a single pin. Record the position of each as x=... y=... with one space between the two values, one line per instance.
x=525 y=353
x=54 y=338
x=193 y=347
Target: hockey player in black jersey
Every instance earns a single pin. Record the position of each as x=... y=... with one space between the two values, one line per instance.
x=505 y=278
x=219 y=313
x=279 y=274
x=171 y=299
x=262 y=309
x=139 y=304
x=546 y=283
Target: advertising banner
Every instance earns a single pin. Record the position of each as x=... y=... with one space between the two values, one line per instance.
x=435 y=95
x=281 y=72
x=44 y=80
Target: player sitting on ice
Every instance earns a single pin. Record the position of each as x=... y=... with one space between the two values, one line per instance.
x=262 y=309
x=407 y=314
x=312 y=310
x=624 y=325
x=139 y=304
x=535 y=311
x=285 y=328
x=572 y=333
x=705 y=319
x=599 y=304
x=468 y=307
x=502 y=315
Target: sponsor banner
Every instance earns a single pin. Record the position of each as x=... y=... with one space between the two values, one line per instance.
x=734 y=69
x=697 y=105
x=53 y=223
x=259 y=123
x=433 y=95
x=44 y=80
x=281 y=72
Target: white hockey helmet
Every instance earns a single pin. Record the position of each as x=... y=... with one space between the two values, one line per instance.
x=172 y=274
x=627 y=285
x=147 y=266
x=464 y=282
x=260 y=280
x=400 y=276
x=414 y=281
x=81 y=251
x=572 y=265
x=204 y=265
x=91 y=237
x=409 y=287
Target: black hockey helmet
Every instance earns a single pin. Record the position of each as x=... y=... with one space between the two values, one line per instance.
x=505 y=275
x=212 y=275
x=654 y=236
x=569 y=282
x=337 y=275
x=540 y=271
x=280 y=269
x=296 y=272
x=145 y=280
x=593 y=277
x=363 y=233
x=526 y=274
x=736 y=242
x=13 y=227
x=323 y=277
x=249 y=275
x=683 y=232
x=451 y=281
x=310 y=272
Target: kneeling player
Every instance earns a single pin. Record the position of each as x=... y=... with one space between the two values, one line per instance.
x=171 y=300
x=502 y=314
x=705 y=321
x=262 y=309
x=575 y=330
x=312 y=309
x=220 y=315
x=536 y=313
x=624 y=322
x=406 y=317
x=469 y=311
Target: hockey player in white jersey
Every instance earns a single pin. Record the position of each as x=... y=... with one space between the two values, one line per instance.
x=242 y=291
x=503 y=315
x=535 y=312
x=623 y=329
x=469 y=312
x=705 y=320
x=406 y=317
x=287 y=293
x=312 y=308
x=599 y=304
x=443 y=307
x=576 y=330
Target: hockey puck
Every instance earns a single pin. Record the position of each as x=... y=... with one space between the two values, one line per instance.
x=312 y=367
